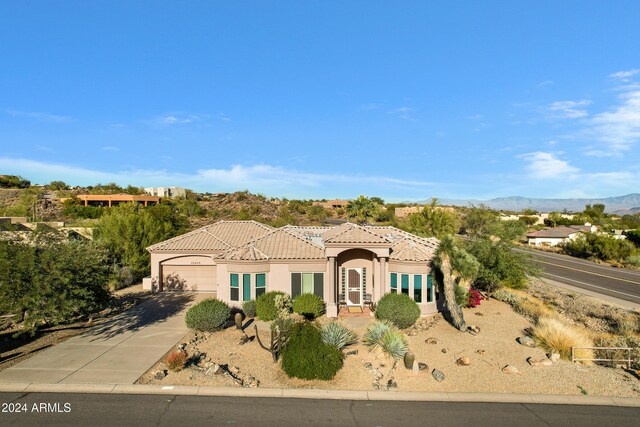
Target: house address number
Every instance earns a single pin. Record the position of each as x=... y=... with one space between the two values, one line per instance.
x=195 y=262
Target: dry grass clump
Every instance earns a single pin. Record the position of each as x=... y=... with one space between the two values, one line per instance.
x=523 y=304
x=557 y=336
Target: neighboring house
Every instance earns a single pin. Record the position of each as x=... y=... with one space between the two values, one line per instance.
x=166 y=191
x=405 y=211
x=240 y=260
x=333 y=204
x=555 y=236
x=115 y=199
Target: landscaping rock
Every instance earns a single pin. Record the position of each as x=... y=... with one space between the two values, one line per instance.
x=438 y=375
x=477 y=313
x=376 y=386
x=423 y=366
x=368 y=365
x=160 y=375
x=182 y=346
x=243 y=339
x=444 y=350
x=527 y=342
x=554 y=357
x=214 y=369
x=351 y=353
x=480 y=351
x=391 y=384
x=377 y=375
x=431 y=340
x=463 y=361
x=539 y=362
x=510 y=369
x=473 y=330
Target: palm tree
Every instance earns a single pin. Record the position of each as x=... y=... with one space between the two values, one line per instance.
x=457 y=268
x=362 y=209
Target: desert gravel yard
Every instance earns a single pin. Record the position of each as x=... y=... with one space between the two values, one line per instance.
x=434 y=343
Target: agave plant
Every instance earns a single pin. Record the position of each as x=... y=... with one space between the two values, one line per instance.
x=386 y=337
x=337 y=335
x=375 y=332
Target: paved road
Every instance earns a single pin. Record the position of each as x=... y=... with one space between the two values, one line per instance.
x=142 y=410
x=117 y=351
x=615 y=282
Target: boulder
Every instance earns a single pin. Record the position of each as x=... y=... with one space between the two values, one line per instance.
x=423 y=366
x=391 y=384
x=351 y=353
x=438 y=375
x=527 y=342
x=554 y=357
x=160 y=375
x=510 y=369
x=473 y=330
x=431 y=340
x=368 y=365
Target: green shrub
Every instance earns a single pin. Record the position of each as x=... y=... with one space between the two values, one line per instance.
x=309 y=305
x=387 y=338
x=337 y=335
x=399 y=309
x=632 y=261
x=208 y=315
x=266 y=305
x=249 y=308
x=305 y=356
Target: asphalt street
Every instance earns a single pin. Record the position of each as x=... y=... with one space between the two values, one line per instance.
x=615 y=282
x=143 y=410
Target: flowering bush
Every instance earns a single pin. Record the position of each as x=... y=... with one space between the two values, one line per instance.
x=474 y=298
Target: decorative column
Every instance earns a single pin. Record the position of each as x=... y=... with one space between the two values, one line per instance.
x=332 y=307
x=382 y=289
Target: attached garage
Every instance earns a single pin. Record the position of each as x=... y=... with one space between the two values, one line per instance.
x=189 y=274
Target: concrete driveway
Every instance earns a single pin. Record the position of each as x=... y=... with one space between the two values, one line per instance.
x=118 y=351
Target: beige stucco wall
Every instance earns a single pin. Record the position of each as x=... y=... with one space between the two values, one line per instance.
x=406 y=268
x=157 y=259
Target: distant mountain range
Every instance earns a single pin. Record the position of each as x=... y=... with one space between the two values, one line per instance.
x=621 y=205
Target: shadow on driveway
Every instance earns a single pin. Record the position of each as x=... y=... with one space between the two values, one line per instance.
x=156 y=310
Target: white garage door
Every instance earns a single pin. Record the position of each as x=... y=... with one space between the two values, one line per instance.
x=189 y=277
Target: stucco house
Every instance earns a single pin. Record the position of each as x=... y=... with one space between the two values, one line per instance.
x=346 y=265
x=555 y=236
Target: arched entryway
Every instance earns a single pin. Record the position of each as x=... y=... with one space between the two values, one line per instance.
x=356 y=273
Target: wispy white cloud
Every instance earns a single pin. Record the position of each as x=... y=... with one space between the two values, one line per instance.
x=38 y=115
x=568 y=109
x=110 y=148
x=624 y=76
x=547 y=165
x=259 y=178
x=371 y=106
x=176 y=118
x=619 y=128
x=545 y=83
x=402 y=113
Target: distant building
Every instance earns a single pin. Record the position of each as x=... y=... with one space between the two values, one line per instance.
x=108 y=200
x=333 y=204
x=555 y=236
x=166 y=191
x=406 y=211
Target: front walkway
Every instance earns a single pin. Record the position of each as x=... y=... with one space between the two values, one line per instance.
x=117 y=351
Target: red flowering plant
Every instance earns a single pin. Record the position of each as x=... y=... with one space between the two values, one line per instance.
x=474 y=298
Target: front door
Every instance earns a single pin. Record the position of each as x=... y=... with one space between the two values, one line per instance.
x=354 y=286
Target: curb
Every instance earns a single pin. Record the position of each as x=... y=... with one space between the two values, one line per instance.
x=321 y=394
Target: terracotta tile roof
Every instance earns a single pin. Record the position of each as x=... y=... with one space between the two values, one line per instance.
x=218 y=237
x=558 y=232
x=409 y=249
x=279 y=244
x=352 y=233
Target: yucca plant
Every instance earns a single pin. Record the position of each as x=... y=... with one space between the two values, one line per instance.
x=386 y=337
x=337 y=335
x=394 y=344
x=373 y=336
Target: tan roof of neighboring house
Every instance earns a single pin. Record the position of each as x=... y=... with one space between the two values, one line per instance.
x=558 y=232
x=218 y=237
x=279 y=244
x=352 y=233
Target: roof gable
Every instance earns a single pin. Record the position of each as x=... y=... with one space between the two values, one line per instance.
x=352 y=233
x=279 y=244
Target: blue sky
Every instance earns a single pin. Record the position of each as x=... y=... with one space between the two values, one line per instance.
x=403 y=100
